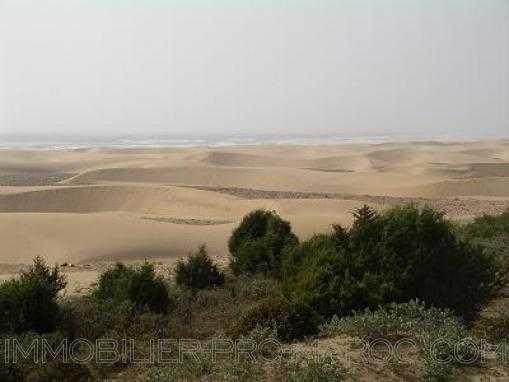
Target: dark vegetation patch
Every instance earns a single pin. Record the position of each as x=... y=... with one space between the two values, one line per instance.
x=31 y=180
x=451 y=207
x=480 y=170
x=329 y=169
x=291 y=321
x=495 y=329
x=187 y=221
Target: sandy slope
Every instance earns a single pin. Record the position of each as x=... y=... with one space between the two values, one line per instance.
x=85 y=206
x=78 y=224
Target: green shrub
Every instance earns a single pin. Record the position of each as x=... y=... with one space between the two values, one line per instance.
x=320 y=370
x=257 y=243
x=86 y=317
x=211 y=312
x=198 y=272
x=148 y=290
x=193 y=367
x=491 y=232
x=400 y=255
x=113 y=284
x=292 y=321
x=243 y=370
x=53 y=369
x=437 y=333
x=253 y=287
x=493 y=329
x=92 y=318
x=203 y=366
x=396 y=321
x=488 y=226
x=29 y=302
x=140 y=286
x=264 y=343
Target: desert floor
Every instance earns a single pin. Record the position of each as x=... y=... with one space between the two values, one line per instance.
x=90 y=207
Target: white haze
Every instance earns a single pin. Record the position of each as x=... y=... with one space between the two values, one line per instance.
x=357 y=67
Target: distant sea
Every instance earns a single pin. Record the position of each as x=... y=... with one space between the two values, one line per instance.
x=68 y=142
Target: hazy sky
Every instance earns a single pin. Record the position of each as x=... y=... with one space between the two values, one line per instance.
x=250 y=67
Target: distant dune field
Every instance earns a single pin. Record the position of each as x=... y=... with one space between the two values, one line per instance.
x=92 y=206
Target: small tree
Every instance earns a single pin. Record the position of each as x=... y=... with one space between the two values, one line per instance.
x=147 y=289
x=257 y=243
x=139 y=286
x=29 y=303
x=113 y=284
x=198 y=271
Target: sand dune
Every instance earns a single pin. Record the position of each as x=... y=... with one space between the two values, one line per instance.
x=488 y=152
x=140 y=199
x=339 y=163
x=131 y=204
x=399 y=156
x=160 y=201
x=277 y=178
x=83 y=238
x=89 y=237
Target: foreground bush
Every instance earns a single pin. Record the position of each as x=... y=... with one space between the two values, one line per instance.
x=400 y=255
x=491 y=232
x=291 y=321
x=489 y=226
x=85 y=318
x=198 y=272
x=396 y=321
x=311 y=370
x=441 y=340
x=140 y=286
x=29 y=303
x=54 y=369
x=92 y=318
x=494 y=329
x=257 y=243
